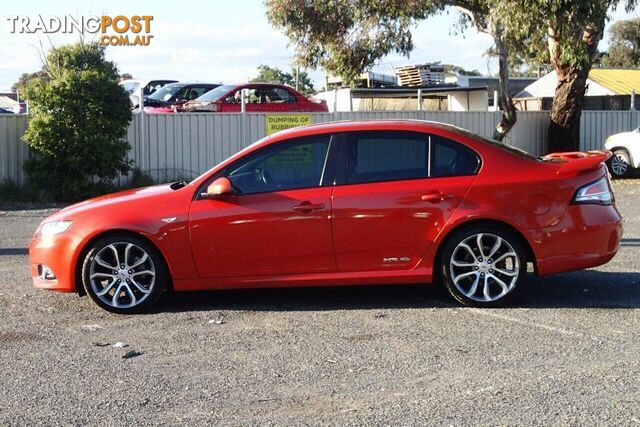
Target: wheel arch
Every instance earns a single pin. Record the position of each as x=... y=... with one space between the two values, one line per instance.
x=77 y=272
x=626 y=150
x=488 y=222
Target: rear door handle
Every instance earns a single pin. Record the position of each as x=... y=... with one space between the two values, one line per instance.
x=436 y=196
x=307 y=207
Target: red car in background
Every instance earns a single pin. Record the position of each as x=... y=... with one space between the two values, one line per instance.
x=259 y=97
x=345 y=203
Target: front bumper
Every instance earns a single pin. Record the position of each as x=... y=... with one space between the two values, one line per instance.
x=59 y=253
x=587 y=236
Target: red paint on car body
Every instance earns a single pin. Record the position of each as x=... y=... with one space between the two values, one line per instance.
x=345 y=234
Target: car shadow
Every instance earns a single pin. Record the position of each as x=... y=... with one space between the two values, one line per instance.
x=583 y=289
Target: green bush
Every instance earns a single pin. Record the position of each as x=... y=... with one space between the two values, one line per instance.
x=140 y=179
x=78 y=123
x=12 y=192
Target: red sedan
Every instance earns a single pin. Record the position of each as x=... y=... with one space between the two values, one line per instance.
x=349 y=203
x=259 y=97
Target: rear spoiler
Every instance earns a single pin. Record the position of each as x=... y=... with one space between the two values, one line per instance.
x=578 y=161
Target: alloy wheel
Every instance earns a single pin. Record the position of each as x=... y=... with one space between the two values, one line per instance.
x=122 y=275
x=484 y=267
x=619 y=164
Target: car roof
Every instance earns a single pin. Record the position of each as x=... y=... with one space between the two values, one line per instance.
x=260 y=84
x=193 y=84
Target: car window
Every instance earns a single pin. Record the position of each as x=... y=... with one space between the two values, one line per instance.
x=197 y=91
x=449 y=158
x=130 y=87
x=166 y=93
x=215 y=94
x=152 y=87
x=280 y=95
x=263 y=95
x=251 y=96
x=387 y=156
x=285 y=166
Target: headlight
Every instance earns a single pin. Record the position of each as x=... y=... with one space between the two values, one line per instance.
x=52 y=228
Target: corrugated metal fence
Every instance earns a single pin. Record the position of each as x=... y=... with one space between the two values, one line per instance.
x=596 y=126
x=185 y=145
x=13 y=152
x=179 y=146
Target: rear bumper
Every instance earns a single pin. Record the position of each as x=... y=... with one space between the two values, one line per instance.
x=59 y=254
x=586 y=236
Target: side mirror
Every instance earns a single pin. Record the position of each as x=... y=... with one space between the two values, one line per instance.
x=219 y=188
x=230 y=100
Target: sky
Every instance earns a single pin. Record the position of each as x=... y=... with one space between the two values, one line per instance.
x=219 y=41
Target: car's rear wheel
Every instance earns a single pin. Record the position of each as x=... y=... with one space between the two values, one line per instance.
x=124 y=274
x=620 y=164
x=483 y=266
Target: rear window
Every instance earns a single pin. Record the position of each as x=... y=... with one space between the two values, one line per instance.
x=449 y=158
x=510 y=148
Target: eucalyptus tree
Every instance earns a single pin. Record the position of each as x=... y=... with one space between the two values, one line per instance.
x=567 y=33
x=347 y=37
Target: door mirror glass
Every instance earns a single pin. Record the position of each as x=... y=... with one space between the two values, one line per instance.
x=219 y=188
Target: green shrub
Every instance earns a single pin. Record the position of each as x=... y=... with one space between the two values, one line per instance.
x=12 y=192
x=78 y=123
x=140 y=179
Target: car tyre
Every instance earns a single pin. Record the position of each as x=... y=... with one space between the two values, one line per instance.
x=483 y=266
x=620 y=163
x=124 y=274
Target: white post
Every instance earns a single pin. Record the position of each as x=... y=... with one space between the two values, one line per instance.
x=419 y=99
x=633 y=100
x=350 y=100
x=143 y=161
x=335 y=100
x=495 y=101
x=243 y=111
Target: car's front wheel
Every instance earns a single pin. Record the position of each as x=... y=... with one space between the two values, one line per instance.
x=620 y=164
x=124 y=274
x=483 y=266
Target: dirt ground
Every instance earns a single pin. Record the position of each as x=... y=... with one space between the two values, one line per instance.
x=567 y=354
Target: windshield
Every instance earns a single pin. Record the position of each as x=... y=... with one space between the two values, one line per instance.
x=131 y=87
x=165 y=93
x=215 y=94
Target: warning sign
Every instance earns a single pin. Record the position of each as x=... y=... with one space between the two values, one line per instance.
x=276 y=123
x=293 y=156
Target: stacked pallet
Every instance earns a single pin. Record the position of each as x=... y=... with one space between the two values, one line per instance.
x=421 y=74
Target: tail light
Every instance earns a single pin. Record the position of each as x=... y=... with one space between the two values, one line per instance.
x=598 y=192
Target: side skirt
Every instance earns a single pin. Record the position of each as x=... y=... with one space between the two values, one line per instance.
x=422 y=275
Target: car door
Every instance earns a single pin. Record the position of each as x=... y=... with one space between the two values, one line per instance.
x=393 y=195
x=277 y=222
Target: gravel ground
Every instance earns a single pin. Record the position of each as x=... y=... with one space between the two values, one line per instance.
x=568 y=354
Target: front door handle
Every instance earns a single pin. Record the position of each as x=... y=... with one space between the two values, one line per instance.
x=436 y=196
x=307 y=207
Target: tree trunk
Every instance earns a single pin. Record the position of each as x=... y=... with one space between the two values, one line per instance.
x=504 y=101
x=564 y=126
